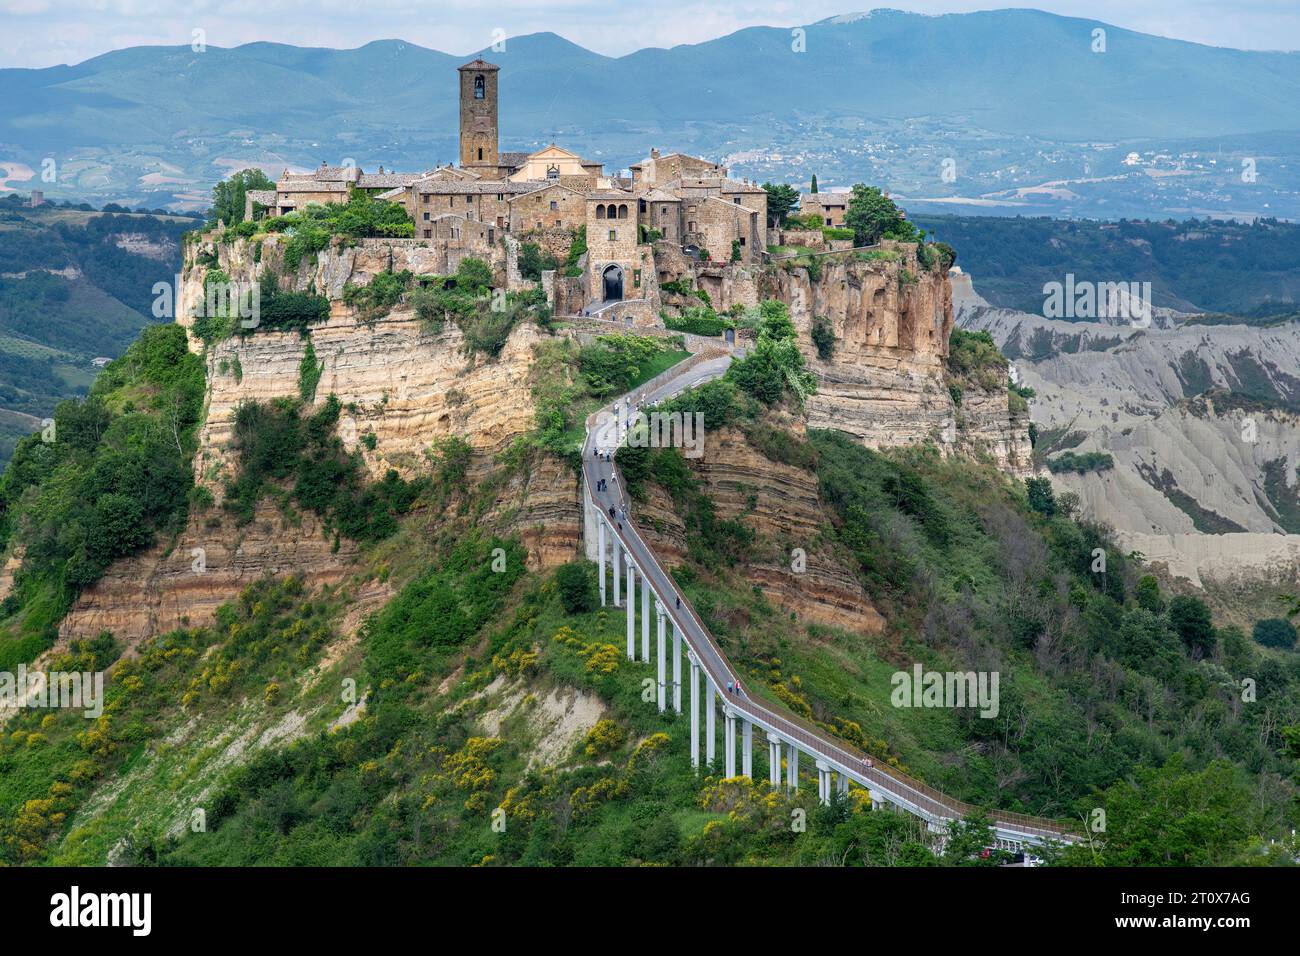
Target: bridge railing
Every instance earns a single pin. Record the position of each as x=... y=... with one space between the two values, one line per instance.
x=815 y=740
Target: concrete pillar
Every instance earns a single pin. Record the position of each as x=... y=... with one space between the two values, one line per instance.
x=601 y=524
x=792 y=769
x=663 y=683
x=617 y=565
x=844 y=782
x=774 y=761
x=631 y=612
x=823 y=782
x=747 y=754
x=695 y=709
x=645 y=620
x=729 y=743
x=710 y=733
x=677 y=666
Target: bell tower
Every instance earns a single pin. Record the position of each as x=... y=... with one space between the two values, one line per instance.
x=478 y=117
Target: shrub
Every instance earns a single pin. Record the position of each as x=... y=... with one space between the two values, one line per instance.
x=823 y=337
x=576 y=589
x=1274 y=632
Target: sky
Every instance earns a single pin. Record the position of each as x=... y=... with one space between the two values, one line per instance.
x=39 y=33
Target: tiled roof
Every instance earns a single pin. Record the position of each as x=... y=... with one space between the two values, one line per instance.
x=442 y=187
x=825 y=199
x=310 y=186
x=513 y=159
x=263 y=197
x=659 y=195
x=480 y=64
x=381 y=180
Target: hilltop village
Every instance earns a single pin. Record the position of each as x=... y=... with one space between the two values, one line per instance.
x=543 y=196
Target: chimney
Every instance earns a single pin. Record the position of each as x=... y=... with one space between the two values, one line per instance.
x=654 y=153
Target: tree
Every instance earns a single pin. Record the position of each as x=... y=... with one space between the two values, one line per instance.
x=1040 y=495
x=968 y=839
x=533 y=262
x=1169 y=817
x=1274 y=632
x=873 y=216
x=473 y=275
x=1148 y=594
x=813 y=188
x=781 y=201
x=228 y=195
x=1190 y=619
x=573 y=582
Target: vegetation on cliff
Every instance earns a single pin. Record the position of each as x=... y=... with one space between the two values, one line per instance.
x=110 y=473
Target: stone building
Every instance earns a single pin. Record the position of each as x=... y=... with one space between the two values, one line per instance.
x=545 y=195
x=478 y=118
x=550 y=206
x=831 y=207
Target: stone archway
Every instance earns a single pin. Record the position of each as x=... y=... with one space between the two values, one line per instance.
x=612 y=279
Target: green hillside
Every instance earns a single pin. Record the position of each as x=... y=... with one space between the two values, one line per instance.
x=471 y=711
x=68 y=294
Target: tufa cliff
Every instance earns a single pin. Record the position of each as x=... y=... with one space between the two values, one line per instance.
x=885 y=379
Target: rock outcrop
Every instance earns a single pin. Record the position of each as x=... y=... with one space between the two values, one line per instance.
x=885 y=381
x=780 y=504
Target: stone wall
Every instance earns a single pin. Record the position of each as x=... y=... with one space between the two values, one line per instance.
x=533 y=212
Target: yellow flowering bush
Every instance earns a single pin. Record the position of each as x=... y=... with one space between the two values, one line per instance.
x=605 y=736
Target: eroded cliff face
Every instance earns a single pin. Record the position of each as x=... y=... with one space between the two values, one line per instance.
x=780 y=503
x=886 y=381
x=406 y=387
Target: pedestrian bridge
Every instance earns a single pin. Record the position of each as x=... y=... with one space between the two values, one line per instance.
x=627 y=563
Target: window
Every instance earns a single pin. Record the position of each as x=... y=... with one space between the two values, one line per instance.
x=428 y=233
x=501 y=197
x=600 y=211
x=479 y=89
x=425 y=198
x=690 y=209
x=613 y=234
x=636 y=278
x=480 y=152
x=554 y=204
x=828 y=220
x=622 y=211
x=552 y=172
x=736 y=200
x=469 y=200
x=641 y=207
x=690 y=227
x=559 y=224
x=426 y=217
x=491 y=236
x=742 y=240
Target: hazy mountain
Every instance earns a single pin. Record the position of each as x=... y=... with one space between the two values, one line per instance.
x=1011 y=73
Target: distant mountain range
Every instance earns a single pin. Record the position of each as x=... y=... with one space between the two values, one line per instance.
x=149 y=121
